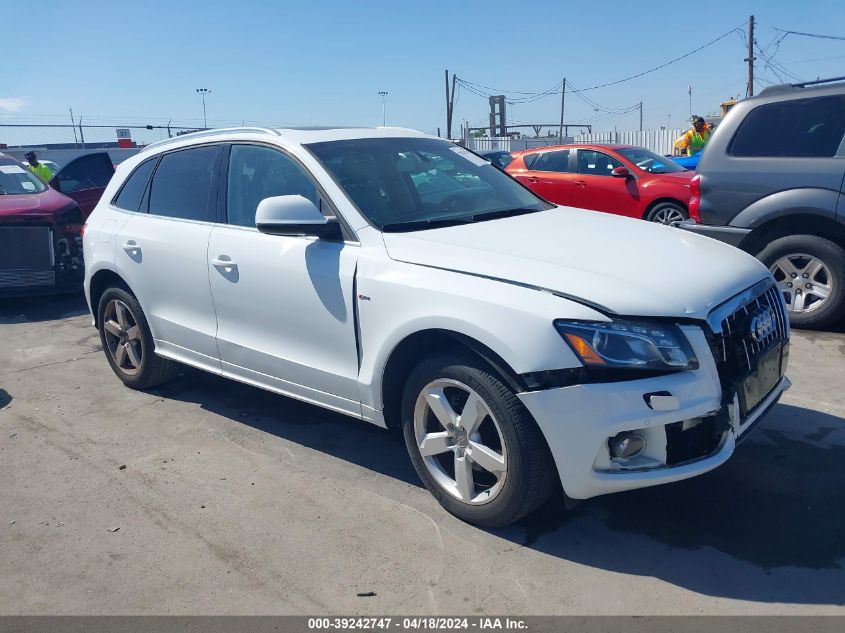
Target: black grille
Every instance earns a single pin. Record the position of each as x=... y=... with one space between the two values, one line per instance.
x=736 y=349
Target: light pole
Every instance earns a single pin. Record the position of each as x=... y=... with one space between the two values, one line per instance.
x=203 y=92
x=689 y=90
x=383 y=94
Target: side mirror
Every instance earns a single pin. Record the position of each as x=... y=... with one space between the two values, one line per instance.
x=620 y=172
x=294 y=216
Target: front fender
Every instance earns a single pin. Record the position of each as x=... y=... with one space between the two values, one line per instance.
x=397 y=300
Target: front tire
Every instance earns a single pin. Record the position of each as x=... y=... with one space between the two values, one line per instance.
x=473 y=443
x=810 y=273
x=128 y=343
x=669 y=213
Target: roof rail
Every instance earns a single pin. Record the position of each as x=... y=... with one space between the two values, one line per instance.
x=213 y=132
x=817 y=82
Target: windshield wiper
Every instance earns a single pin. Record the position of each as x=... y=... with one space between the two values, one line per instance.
x=416 y=225
x=502 y=213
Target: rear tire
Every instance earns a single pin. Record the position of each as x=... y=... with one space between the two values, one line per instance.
x=669 y=213
x=817 y=300
x=128 y=343
x=493 y=467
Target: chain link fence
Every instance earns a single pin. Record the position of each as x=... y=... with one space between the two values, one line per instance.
x=86 y=135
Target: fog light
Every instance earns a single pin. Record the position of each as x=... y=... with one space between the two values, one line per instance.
x=626 y=445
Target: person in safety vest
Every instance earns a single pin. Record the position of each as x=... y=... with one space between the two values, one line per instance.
x=39 y=169
x=694 y=139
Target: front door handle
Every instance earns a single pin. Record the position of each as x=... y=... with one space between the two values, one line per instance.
x=533 y=179
x=223 y=263
x=580 y=183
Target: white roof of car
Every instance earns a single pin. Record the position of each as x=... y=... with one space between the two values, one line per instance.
x=299 y=135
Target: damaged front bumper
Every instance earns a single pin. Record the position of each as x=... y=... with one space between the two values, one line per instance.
x=685 y=422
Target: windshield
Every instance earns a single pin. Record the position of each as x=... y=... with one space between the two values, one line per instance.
x=415 y=183
x=16 y=179
x=650 y=162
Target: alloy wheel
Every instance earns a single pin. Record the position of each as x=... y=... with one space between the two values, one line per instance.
x=668 y=215
x=123 y=337
x=460 y=441
x=804 y=281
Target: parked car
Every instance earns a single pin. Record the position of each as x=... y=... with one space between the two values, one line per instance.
x=40 y=228
x=770 y=181
x=687 y=162
x=400 y=279
x=621 y=179
x=497 y=158
x=84 y=179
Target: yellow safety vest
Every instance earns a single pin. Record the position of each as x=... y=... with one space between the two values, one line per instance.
x=697 y=141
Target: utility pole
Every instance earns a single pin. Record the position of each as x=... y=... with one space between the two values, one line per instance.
x=73 y=127
x=641 y=116
x=750 y=58
x=203 y=92
x=448 y=108
x=450 y=104
x=562 y=103
x=383 y=94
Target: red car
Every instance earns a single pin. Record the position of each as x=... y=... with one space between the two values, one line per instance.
x=621 y=179
x=41 y=228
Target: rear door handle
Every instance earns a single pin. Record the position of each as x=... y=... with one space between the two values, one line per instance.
x=580 y=183
x=131 y=245
x=533 y=179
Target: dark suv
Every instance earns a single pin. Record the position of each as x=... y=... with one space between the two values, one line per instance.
x=770 y=181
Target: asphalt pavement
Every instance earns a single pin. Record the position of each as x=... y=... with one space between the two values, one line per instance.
x=206 y=496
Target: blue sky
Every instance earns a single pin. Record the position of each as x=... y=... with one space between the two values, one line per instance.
x=320 y=62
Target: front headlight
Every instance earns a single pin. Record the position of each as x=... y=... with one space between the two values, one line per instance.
x=629 y=345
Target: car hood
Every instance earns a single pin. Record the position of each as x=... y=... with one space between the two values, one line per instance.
x=617 y=264
x=45 y=206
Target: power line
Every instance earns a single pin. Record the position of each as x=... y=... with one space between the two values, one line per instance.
x=817 y=59
x=479 y=89
x=824 y=37
x=664 y=65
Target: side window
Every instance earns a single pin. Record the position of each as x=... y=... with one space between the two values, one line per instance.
x=132 y=191
x=529 y=160
x=553 y=161
x=182 y=186
x=257 y=172
x=798 y=127
x=593 y=163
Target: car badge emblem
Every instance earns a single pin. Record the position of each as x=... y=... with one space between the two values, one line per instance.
x=763 y=325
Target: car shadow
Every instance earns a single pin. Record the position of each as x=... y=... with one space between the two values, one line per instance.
x=42 y=308
x=335 y=434
x=745 y=531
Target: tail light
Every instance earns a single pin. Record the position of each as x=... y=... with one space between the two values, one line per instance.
x=695 y=200
x=82 y=231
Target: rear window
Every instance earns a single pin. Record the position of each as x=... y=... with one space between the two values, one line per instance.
x=182 y=186
x=130 y=195
x=795 y=128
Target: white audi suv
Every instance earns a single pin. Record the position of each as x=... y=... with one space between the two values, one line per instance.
x=401 y=279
